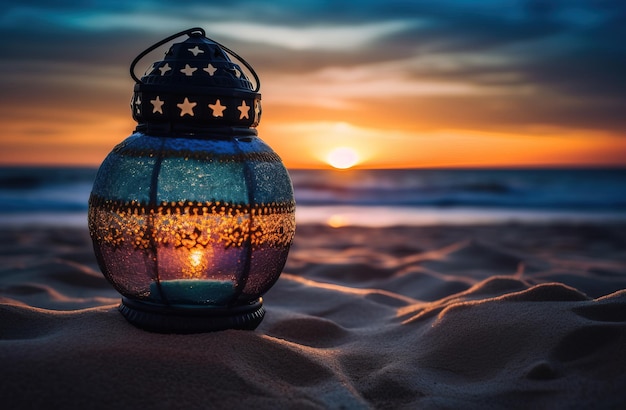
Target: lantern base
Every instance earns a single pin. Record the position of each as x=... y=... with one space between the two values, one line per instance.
x=169 y=319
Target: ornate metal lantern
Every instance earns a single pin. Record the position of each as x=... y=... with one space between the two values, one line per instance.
x=192 y=216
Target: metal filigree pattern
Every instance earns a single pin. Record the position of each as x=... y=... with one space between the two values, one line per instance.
x=190 y=224
x=191 y=65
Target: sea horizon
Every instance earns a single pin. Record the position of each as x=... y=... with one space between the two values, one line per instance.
x=58 y=196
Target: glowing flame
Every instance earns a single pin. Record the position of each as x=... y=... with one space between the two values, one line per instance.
x=196 y=264
x=195 y=257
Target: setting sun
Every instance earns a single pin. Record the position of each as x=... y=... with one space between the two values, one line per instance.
x=342 y=158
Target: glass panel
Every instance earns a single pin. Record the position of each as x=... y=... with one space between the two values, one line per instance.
x=271 y=183
x=201 y=242
x=194 y=180
x=124 y=178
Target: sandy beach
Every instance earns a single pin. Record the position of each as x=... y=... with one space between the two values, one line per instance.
x=433 y=317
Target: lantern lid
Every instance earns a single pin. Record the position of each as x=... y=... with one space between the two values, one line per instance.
x=196 y=87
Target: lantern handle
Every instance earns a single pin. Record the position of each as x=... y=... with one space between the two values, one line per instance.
x=191 y=32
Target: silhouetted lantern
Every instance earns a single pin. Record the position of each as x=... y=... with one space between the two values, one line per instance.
x=192 y=216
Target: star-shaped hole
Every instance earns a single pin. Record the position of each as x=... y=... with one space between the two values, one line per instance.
x=188 y=70
x=186 y=107
x=195 y=51
x=210 y=69
x=157 y=105
x=217 y=108
x=257 y=109
x=164 y=69
x=244 y=109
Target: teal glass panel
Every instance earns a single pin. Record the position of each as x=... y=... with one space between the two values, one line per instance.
x=191 y=180
x=124 y=178
x=271 y=183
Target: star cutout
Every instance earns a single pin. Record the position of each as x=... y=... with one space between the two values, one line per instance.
x=210 y=69
x=257 y=109
x=157 y=105
x=218 y=108
x=237 y=73
x=195 y=51
x=186 y=107
x=188 y=70
x=138 y=105
x=165 y=69
x=244 y=109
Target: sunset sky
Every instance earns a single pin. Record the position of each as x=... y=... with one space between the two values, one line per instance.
x=440 y=83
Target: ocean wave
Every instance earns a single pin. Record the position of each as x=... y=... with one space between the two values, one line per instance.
x=24 y=190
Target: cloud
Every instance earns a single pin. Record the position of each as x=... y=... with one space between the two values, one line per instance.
x=318 y=37
x=557 y=63
x=351 y=87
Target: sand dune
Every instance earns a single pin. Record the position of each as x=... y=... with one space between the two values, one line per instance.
x=423 y=317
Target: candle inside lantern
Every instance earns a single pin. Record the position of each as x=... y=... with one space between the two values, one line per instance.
x=193 y=288
x=196 y=263
x=194 y=291
x=195 y=258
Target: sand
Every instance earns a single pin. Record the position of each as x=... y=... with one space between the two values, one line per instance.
x=505 y=316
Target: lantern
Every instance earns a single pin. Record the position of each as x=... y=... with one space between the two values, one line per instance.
x=192 y=216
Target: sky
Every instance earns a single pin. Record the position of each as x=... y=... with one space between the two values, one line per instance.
x=439 y=83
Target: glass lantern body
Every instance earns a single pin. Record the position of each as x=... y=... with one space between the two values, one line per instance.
x=192 y=222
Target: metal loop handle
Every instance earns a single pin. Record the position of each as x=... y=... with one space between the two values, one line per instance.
x=190 y=32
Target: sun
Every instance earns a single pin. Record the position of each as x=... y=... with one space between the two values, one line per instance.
x=342 y=158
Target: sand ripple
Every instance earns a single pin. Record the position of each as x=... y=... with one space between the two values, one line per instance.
x=456 y=317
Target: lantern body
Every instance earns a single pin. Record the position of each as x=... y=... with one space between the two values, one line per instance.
x=192 y=223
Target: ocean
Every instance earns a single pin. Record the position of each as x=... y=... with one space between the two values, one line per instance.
x=58 y=196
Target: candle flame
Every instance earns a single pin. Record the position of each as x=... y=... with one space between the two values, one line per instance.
x=197 y=263
x=195 y=257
